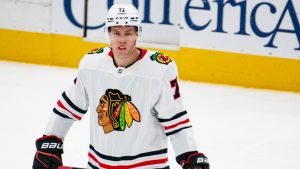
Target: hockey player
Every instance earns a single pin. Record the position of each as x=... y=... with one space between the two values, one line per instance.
x=134 y=103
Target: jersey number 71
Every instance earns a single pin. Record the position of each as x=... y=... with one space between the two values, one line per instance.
x=174 y=84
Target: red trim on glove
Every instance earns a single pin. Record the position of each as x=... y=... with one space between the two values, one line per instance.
x=51 y=136
x=189 y=158
x=47 y=154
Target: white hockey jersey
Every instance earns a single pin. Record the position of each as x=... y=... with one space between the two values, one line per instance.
x=133 y=110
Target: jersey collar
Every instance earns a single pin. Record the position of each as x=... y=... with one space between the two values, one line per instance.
x=142 y=54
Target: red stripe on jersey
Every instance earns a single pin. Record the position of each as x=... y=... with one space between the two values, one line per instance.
x=144 y=51
x=177 y=124
x=110 y=53
x=140 y=164
x=59 y=103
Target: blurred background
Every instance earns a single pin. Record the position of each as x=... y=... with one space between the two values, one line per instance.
x=238 y=42
x=240 y=58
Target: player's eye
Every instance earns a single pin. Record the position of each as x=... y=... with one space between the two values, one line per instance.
x=116 y=33
x=128 y=34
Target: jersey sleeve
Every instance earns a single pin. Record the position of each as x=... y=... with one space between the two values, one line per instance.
x=71 y=106
x=172 y=115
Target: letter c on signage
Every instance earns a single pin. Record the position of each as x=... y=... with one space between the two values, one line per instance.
x=254 y=26
x=70 y=16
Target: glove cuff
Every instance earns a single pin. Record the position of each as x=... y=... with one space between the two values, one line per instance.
x=184 y=158
x=192 y=159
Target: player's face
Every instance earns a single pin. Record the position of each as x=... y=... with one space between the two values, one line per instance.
x=102 y=110
x=123 y=39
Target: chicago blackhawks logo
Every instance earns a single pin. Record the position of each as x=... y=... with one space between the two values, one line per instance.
x=161 y=58
x=96 y=51
x=115 y=111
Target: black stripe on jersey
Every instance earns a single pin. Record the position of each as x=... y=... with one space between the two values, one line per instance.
x=173 y=118
x=178 y=130
x=92 y=166
x=111 y=158
x=64 y=95
x=60 y=114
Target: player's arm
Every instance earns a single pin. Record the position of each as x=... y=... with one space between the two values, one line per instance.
x=71 y=107
x=176 y=123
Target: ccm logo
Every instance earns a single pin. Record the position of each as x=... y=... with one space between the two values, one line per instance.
x=52 y=145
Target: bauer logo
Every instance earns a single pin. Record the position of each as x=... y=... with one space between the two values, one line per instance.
x=115 y=111
x=52 y=146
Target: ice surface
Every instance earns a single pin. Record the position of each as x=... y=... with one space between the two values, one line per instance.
x=237 y=128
